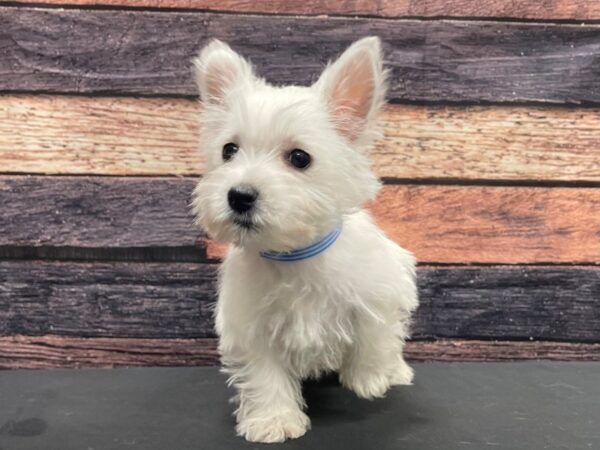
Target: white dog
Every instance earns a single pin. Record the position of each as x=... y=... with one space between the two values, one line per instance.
x=310 y=284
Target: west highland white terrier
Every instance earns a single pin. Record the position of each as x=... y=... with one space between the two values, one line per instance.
x=309 y=284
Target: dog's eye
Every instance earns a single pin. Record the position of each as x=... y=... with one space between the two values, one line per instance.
x=299 y=158
x=229 y=150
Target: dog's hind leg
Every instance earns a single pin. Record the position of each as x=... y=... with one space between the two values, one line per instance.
x=370 y=365
x=402 y=374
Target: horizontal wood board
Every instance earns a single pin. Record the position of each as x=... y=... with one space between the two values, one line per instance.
x=157 y=300
x=96 y=212
x=44 y=352
x=141 y=52
x=522 y=9
x=143 y=136
x=137 y=218
x=493 y=224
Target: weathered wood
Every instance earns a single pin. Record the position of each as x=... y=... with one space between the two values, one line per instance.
x=493 y=224
x=509 y=302
x=133 y=136
x=523 y=9
x=45 y=352
x=475 y=350
x=106 y=299
x=87 y=212
x=150 y=52
x=98 y=135
x=448 y=224
x=174 y=301
x=492 y=143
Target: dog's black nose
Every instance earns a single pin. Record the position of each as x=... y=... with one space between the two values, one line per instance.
x=242 y=198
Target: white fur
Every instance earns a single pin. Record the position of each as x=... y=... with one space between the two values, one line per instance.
x=346 y=309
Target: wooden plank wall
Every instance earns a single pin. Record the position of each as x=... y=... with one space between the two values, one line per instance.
x=490 y=160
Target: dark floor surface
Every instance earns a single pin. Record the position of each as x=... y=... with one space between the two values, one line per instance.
x=529 y=406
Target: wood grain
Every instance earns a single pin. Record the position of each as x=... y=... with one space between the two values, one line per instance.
x=139 y=217
x=158 y=300
x=493 y=224
x=134 y=136
x=46 y=352
x=482 y=351
x=98 y=135
x=104 y=299
x=523 y=9
x=509 y=302
x=86 y=213
x=137 y=52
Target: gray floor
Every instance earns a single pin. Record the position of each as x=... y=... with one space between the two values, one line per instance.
x=527 y=406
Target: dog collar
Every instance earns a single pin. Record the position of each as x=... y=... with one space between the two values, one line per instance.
x=306 y=252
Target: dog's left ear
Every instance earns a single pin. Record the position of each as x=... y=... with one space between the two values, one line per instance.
x=353 y=87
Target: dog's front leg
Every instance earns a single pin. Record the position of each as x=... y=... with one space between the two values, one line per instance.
x=270 y=402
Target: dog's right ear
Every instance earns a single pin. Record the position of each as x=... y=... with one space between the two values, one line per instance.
x=219 y=70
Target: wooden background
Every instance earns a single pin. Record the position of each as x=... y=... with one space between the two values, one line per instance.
x=490 y=159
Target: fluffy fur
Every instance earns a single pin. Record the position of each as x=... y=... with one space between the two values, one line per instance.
x=346 y=309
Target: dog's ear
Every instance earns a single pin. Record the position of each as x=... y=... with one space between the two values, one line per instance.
x=218 y=70
x=353 y=87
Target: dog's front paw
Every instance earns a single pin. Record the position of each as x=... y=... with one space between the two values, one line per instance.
x=403 y=374
x=273 y=427
x=365 y=383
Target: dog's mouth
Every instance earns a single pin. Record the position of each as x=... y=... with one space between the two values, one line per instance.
x=245 y=222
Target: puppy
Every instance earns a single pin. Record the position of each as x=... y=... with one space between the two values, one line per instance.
x=309 y=284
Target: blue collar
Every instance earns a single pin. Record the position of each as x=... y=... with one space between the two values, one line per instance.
x=306 y=252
